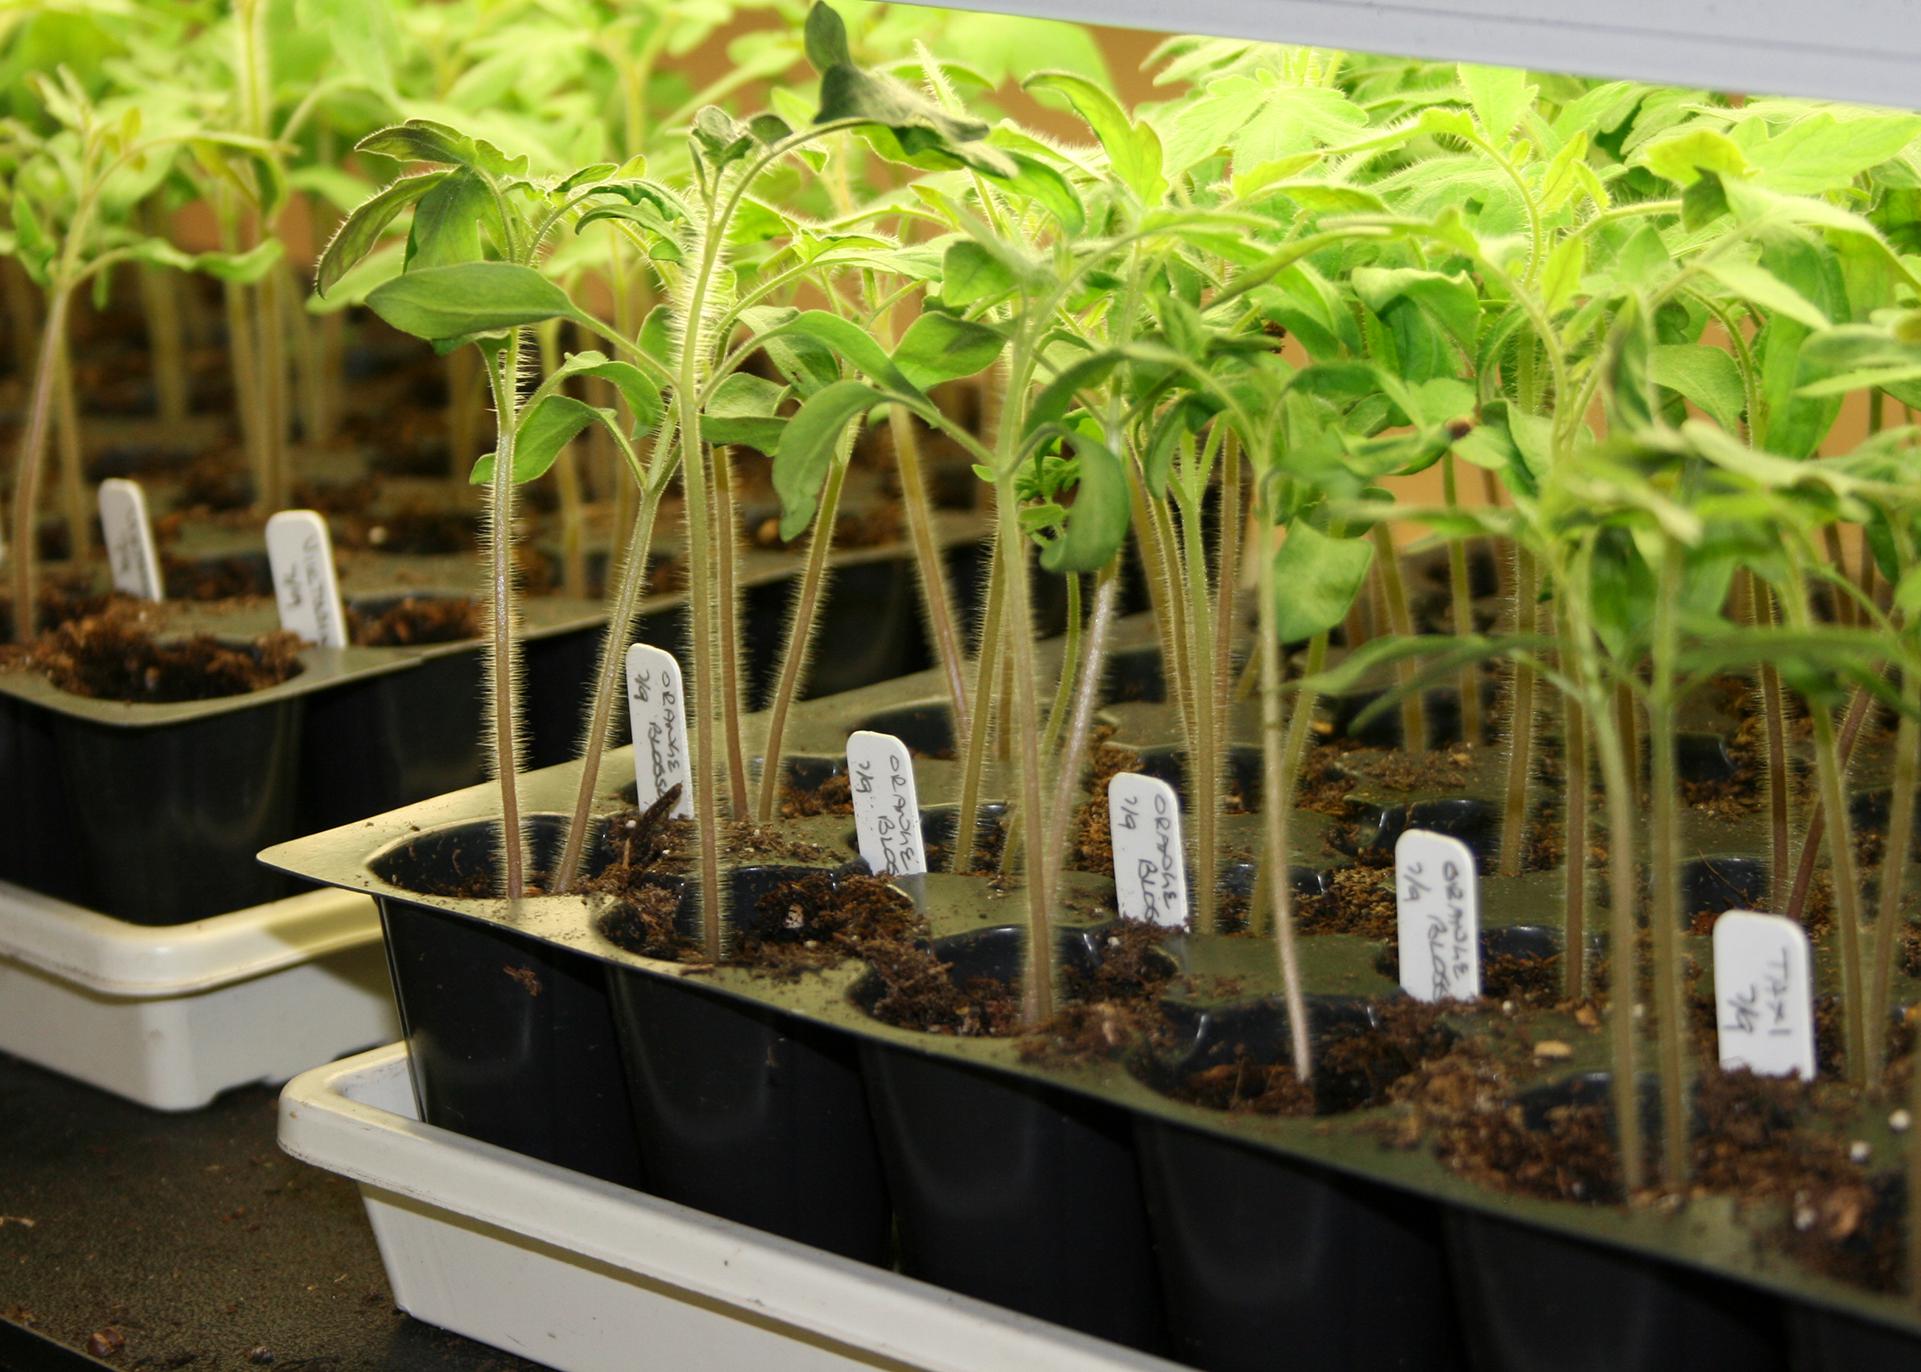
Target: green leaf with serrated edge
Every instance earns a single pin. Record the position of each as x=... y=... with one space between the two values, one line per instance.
x=1133 y=150
x=942 y=347
x=1316 y=579
x=721 y=139
x=1683 y=155
x=848 y=341
x=921 y=131
x=635 y=386
x=1046 y=187
x=361 y=230
x=1706 y=376
x=1756 y=285
x=447 y=222
x=1450 y=300
x=970 y=274
x=443 y=303
x=825 y=39
x=806 y=450
x=542 y=432
x=1097 y=521
x=1498 y=95
x=745 y=410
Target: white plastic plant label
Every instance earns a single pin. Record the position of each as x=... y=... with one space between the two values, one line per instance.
x=1437 y=905
x=301 y=553
x=1150 y=866
x=130 y=550
x=886 y=805
x=1764 y=994
x=657 y=712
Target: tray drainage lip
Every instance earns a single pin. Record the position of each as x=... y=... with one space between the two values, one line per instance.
x=115 y=958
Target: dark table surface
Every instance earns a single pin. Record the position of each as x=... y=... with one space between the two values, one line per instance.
x=188 y=1241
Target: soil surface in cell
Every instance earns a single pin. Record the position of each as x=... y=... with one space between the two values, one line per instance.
x=115 y=656
x=415 y=621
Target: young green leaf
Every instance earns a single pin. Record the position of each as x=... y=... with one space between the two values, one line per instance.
x=1707 y=376
x=543 y=431
x=825 y=38
x=439 y=303
x=745 y=410
x=941 y=347
x=806 y=450
x=1097 y=521
x=361 y=230
x=1316 y=579
x=970 y=274
x=1133 y=150
x=635 y=386
x=847 y=340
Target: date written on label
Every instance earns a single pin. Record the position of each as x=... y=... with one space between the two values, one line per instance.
x=129 y=534
x=1150 y=866
x=1437 y=906
x=1763 y=994
x=657 y=712
x=300 y=552
x=886 y=804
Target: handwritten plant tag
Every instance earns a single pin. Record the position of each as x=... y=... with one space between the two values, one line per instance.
x=1764 y=994
x=657 y=712
x=886 y=805
x=130 y=550
x=301 y=553
x=1437 y=904
x=1150 y=867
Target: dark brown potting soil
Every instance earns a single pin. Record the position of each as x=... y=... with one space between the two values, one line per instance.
x=217 y=578
x=415 y=621
x=1359 y=901
x=918 y=991
x=414 y=531
x=114 y=656
x=60 y=601
x=816 y=921
x=834 y=796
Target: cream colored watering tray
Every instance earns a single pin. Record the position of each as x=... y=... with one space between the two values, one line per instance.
x=587 y=1276
x=171 y=1016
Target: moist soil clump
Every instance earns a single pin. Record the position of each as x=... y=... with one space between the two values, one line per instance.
x=1359 y=900
x=59 y=602
x=816 y=921
x=217 y=578
x=834 y=796
x=918 y=991
x=416 y=621
x=114 y=656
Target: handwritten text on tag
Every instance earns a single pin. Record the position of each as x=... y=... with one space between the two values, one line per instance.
x=657 y=710
x=1764 y=994
x=130 y=550
x=1438 y=909
x=886 y=806
x=300 y=552
x=1150 y=868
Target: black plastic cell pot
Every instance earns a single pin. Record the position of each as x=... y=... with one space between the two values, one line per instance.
x=1260 y=1253
x=1828 y=1341
x=1008 y=1190
x=34 y=807
x=747 y=1113
x=510 y=1039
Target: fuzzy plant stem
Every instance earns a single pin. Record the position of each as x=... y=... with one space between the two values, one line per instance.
x=1081 y=723
x=1520 y=743
x=1664 y=852
x=1226 y=579
x=1830 y=772
x=1624 y=964
x=727 y=550
x=573 y=551
x=1401 y=621
x=1070 y=659
x=1204 y=760
x=246 y=384
x=1166 y=605
x=1019 y=631
x=974 y=758
x=1461 y=595
x=1817 y=819
x=166 y=337
x=503 y=378
x=800 y=637
x=75 y=509
x=1760 y=612
x=1275 y=804
x=1894 y=867
x=1574 y=730
x=936 y=602
x=609 y=678
x=26 y=478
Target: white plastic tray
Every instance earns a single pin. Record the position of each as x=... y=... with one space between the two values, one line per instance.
x=584 y=1275
x=170 y=1017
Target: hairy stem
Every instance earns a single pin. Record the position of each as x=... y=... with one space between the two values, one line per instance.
x=800 y=637
x=1086 y=696
x=974 y=758
x=75 y=509
x=1760 y=611
x=1401 y=621
x=1203 y=761
x=503 y=372
x=1460 y=593
x=27 y=462
x=936 y=602
x=609 y=679
x=1019 y=631
x=727 y=547
x=1894 y=868
x=1817 y=820
x=1574 y=728
x=1276 y=802
x=1520 y=743
x=1664 y=853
